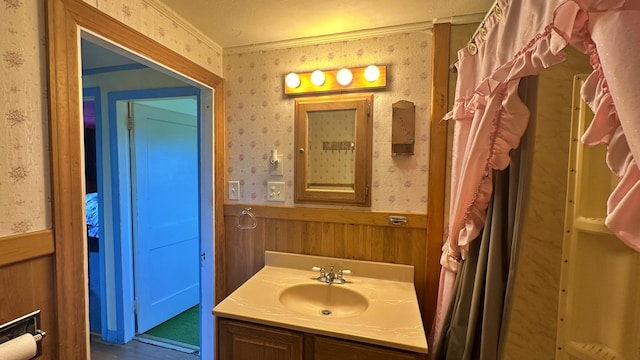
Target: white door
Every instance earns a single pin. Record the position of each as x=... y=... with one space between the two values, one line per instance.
x=164 y=153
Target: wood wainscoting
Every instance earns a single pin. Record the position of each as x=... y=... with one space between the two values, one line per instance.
x=351 y=234
x=27 y=282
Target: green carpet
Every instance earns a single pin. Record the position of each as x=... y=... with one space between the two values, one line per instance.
x=184 y=328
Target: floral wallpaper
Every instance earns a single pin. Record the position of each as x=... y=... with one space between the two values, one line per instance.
x=25 y=197
x=157 y=21
x=259 y=117
x=24 y=188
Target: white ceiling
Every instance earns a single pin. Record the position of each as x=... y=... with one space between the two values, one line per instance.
x=236 y=23
x=244 y=23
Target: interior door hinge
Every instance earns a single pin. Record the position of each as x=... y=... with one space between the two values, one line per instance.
x=135 y=307
x=129 y=116
x=366 y=191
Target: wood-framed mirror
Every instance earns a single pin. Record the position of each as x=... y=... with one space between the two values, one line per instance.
x=333 y=140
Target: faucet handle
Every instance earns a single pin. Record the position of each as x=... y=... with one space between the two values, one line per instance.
x=339 y=279
x=323 y=274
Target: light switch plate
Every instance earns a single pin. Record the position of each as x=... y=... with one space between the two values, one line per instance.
x=234 y=190
x=275 y=191
x=276 y=169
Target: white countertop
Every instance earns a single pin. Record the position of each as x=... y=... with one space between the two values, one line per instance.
x=392 y=318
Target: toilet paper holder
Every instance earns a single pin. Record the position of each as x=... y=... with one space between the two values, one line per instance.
x=27 y=324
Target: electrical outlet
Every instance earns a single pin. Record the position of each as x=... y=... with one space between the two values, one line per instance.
x=275 y=169
x=275 y=191
x=234 y=190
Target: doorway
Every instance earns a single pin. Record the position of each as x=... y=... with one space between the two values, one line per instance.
x=131 y=164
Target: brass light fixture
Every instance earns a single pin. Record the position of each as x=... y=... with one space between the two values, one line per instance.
x=345 y=79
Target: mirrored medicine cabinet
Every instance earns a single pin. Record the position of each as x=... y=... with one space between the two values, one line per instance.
x=333 y=140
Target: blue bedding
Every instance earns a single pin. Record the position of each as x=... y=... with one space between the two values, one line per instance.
x=93 y=224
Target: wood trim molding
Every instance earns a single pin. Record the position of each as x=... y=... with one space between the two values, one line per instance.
x=219 y=189
x=437 y=165
x=356 y=217
x=21 y=247
x=64 y=20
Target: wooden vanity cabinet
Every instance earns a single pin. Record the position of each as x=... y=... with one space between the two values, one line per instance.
x=238 y=340
x=246 y=341
x=325 y=348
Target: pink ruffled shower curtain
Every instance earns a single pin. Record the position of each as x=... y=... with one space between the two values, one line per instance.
x=520 y=38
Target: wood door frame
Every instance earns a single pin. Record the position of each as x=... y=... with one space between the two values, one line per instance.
x=65 y=18
x=436 y=205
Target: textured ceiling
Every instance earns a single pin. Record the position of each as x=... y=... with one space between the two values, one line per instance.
x=233 y=23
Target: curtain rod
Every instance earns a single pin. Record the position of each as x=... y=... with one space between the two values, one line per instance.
x=452 y=67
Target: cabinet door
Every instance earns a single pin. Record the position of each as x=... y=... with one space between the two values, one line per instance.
x=244 y=341
x=332 y=349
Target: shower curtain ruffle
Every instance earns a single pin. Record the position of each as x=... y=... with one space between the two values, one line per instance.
x=518 y=39
x=487 y=99
x=613 y=29
x=497 y=119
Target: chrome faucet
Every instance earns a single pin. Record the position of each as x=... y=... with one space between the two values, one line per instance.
x=331 y=277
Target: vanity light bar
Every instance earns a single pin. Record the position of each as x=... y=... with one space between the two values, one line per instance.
x=358 y=81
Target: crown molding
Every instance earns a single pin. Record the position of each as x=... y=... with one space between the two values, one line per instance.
x=312 y=40
x=353 y=35
x=461 y=19
x=182 y=22
x=325 y=39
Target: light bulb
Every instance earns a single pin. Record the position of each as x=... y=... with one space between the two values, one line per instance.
x=317 y=78
x=344 y=77
x=292 y=80
x=371 y=73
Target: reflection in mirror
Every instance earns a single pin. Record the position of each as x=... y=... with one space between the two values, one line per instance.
x=332 y=149
x=333 y=138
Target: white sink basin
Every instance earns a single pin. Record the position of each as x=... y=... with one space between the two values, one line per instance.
x=378 y=306
x=325 y=300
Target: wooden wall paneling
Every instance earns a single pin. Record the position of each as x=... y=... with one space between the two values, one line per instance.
x=27 y=277
x=353 y=238
x=331 y=244
x=314 y=240
x=258 y=244
x=239 y=249
x=437 y=166
x=295 y=238
x=337 y=238
x=21 y=247
x=356 y=245
x=377 y=238
x=416 y=254
x=334 y=215
x=29 y=285
x=270 y=234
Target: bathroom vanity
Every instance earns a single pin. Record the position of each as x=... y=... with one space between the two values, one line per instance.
x=244 y=340
x=285 y=312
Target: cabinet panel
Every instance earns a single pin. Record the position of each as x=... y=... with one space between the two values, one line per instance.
x=244 y=341
x=333 y=349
